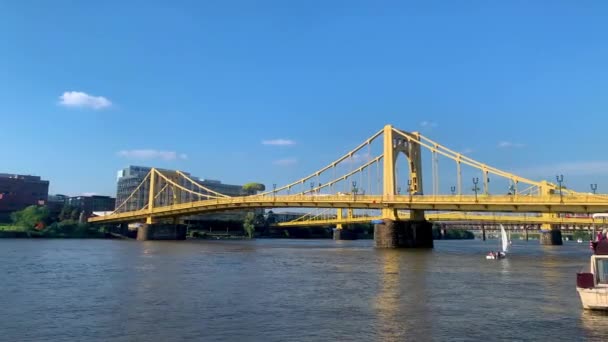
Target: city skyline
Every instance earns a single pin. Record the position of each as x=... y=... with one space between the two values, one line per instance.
x=271 y=93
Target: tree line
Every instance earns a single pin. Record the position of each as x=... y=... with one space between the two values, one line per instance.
x=39 y=221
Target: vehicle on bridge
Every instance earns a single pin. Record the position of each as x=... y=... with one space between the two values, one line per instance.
x=592 y=286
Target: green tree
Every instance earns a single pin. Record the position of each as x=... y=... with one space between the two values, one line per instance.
x=582 y=234
x=252 y=188
x=30 y=216
x=75 y=214
x=271 y=218
x=260 y=221
x=69 y=212
x=65 y=213
x=248 y=224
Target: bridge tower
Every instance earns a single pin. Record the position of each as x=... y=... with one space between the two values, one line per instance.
x=394 y=233
x=153 y=230
x=549 y=234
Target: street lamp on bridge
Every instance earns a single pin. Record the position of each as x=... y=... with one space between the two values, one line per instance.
x=560 y=179
x=594 y=188
x=274 y=190
x=512 y=189
x=312 y=185
x=453 y=190
x=355 y=190
x=475 y=187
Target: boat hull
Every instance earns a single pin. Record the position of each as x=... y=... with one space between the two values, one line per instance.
x=594 y=298
x=496 y=256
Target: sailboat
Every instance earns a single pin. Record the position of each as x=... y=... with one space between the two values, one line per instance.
x=505 y=246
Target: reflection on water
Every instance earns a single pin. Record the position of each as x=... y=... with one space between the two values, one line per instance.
x=290 y=290
x=398 y=304
x=388 y=298
x=595 y=324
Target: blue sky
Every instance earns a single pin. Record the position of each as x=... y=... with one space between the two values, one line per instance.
x=90 y=87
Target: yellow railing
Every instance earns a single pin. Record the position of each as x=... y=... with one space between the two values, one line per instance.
x=549 y=204
x=457 y=217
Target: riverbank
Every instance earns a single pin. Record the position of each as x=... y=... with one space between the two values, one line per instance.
x=60 y=230
x=72 y=230
x=7 y=234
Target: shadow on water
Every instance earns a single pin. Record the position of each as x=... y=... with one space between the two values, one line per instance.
x=399 y=304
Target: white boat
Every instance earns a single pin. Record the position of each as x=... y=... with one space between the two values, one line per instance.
x=505 y=246
x=592 y=286
x=579 y=240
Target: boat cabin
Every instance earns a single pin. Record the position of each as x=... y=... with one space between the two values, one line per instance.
x=599 y=267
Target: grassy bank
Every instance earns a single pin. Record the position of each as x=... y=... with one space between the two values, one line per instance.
x=64 y=230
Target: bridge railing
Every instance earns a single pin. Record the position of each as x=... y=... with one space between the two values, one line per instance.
x=578 y=202
x=377 y=201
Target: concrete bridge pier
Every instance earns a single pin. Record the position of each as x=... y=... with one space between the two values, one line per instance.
x=341 y=232
x=344 y=234
x=403 y=234
x=161 y=231
x=123 y=229
x=551 y=237
x=550 y=234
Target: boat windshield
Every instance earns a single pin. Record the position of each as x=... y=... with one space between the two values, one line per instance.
x=602 y=271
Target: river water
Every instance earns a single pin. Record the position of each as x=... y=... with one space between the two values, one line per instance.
x=290 y=290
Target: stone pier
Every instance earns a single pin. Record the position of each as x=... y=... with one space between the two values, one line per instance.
x=551 y=237
x=344 y=234
x=403 y=234
x=159 y=231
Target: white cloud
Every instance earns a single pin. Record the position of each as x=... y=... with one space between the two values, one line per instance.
x=358 y=158
x=428 y=124
x=576 y=168
x=285 y=162
x=148 y=154
x=80 y=99
x=279 y=142
x=509 y=144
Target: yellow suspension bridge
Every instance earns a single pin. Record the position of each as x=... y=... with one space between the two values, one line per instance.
x=368 y=178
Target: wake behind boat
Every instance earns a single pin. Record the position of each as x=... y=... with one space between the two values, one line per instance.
x=505 y=246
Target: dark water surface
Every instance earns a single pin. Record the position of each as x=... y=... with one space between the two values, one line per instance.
x=290 y=290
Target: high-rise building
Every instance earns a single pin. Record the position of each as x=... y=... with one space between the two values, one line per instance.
x=127 y=181
x=131 y=177
x=55 y=203
x=20 y=191
x=89 y=204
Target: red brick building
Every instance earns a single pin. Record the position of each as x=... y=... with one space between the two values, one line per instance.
x=19 y=191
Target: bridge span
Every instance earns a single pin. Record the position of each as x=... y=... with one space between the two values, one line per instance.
x=369 y=178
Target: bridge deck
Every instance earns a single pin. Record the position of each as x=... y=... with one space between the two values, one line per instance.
x=468 y=203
